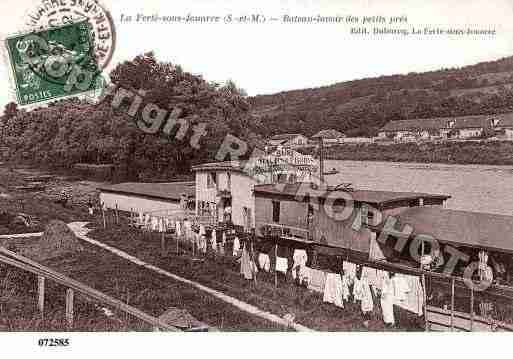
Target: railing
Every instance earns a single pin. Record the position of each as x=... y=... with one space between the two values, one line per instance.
x=43 y=272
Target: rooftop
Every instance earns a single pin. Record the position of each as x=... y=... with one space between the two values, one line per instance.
x=170 y=190
x=482 y=230
x=221 y=166
x=460 y=122
x=285 y=136
x=364 y=196
x=331 y=134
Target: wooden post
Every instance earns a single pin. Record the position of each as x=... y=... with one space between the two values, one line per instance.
x=117 y=214
x=275 y=264
x=472 y=307
x=253 y=263
x=452 y=303
x=69 y=307
x=425 y=302
x=41 y=295
x=163 y=243
x=103 y=214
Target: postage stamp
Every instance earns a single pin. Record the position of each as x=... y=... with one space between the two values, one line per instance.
x=54 y=63
x=48 y=14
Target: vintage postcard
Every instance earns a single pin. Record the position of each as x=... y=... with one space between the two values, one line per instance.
x=231 y=166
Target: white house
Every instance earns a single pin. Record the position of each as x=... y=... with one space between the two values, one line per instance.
x=288 y=140
x=225 y=185
x=329 y=137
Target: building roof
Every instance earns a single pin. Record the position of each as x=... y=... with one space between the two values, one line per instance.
x=285 y=136
x=169 y=191
x=482 y=230
x=472 y=122
x=365 y=196
x=461 y=122
x=221 y=166
x=330 y=134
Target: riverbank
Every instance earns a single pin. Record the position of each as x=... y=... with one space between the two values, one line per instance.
x=484 y=152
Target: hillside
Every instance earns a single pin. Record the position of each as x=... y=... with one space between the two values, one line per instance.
x=361 y=107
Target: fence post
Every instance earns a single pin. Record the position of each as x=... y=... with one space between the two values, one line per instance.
x=117 y=214
x=472 y=307
x=426 y=322
x=41 y=295
x=452 y=303
x=275 y=263
x=103 y=214
x=69 y=307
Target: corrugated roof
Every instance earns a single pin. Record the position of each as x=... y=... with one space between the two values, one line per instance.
x=330 y=134
x=169 y=190
x=364 y=196
x=483 y=230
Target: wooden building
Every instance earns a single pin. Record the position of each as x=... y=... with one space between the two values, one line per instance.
x=148 y=197
x=326 y=219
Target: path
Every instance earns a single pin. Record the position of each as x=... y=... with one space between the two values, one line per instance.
x=81 y=232
x=22 y=235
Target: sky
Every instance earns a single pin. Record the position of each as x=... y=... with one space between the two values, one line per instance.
x=274 y=57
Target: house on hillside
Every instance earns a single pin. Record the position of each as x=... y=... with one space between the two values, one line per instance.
x=422 y=129
x=288 y=140
x=472 y=126
x=504 y=125
x=330 y=136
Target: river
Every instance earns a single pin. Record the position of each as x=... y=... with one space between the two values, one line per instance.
x=476 y=188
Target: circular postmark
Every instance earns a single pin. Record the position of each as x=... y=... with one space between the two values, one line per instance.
x=47 y=14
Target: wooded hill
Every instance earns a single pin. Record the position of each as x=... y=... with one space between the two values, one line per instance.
x=361 y=107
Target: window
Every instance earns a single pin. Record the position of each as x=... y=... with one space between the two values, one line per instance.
x=276 y=211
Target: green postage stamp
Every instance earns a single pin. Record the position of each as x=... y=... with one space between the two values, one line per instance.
x=54 y=63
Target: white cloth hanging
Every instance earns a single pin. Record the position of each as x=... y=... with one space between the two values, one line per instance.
x=178 y=228
x=372 y=276
x=401 y=288
x=300 y=258
x=236 y=246
x=333 y=290
x=213 y=240
x=282 y=264
x=264 y=262
x=362 y=292
x=349 y=270
x=345 y=287
x=387 y=300
x=317 y=280
x=413 y=299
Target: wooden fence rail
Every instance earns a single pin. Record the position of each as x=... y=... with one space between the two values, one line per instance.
x=43 y=273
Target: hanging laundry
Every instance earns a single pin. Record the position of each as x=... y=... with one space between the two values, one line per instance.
x=141 y=218
x=372 y=276
x=246 y=264
x=401 y=288
x=345 y=287
x=282 y=264
x=264 y=262
x=178 y=229
x=387 y=300
x=236 y=246
x=362 y=292
x=349 y=270
x=333 y=290
x=317 y=280
x=213 y=240
x=300 y=258
x=222 y=245
x=413 y=299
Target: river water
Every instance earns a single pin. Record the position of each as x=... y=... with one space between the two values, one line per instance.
x=477 y=188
